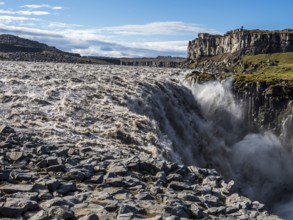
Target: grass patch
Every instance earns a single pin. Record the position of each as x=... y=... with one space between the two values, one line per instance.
x=270 y=68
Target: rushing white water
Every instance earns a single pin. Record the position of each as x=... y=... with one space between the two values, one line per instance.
x=261 y=164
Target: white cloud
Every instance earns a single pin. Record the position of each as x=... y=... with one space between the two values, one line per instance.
x=28 y=31
x=33 y=12
x=11 y=12
x=157 y=28
x=62 y=25
x=159 y=45
x=42 y=6
x=9 y=19
x=2 y=3
x=83 y=35
x=96 y=50
x=57 y=8
x=35 y=6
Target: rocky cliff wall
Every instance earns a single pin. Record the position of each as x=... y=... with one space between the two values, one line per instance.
x=247 y=42
x=267 y=105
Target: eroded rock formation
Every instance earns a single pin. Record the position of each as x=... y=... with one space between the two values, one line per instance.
x=267 y=104
x=241 y=41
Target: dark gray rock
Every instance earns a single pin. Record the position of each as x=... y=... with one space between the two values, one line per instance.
x=74 y=199
x=197 y=211
x=123 y=196
x=231 y=209
x=40 y=186
x=62 y=151
x=85 y=209
x=189 y=196
x=174 y=177
x=57 y=168
x=216 y=210
x=161 y=177
x=66 y=188
x=181 y=212
x=33 y=196
x=45 y=195
x=211 y=200
x=4 y=175
x=130 y=208
x=258 y=206
x=4 y=129
x=42 y=163
x=211 y=181
x=116 y=170
x=40 y=215
x=110 y=205
x=179 y=186
x=60 y=212
x=15 y=207
x=75 y=174
x=125 y=216
x=51 y=160
x=6 y=145
x=144 y=196
x=90 y=217
x=57 y=201
x=116 y=182
x=43 y=150
x=24 y=176
x=235 y=200
x=71 y=161
x=96 y=179
x=52 y=184
x=200 y=189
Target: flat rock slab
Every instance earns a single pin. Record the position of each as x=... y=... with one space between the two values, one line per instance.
x=16 y=188
x=16 y=207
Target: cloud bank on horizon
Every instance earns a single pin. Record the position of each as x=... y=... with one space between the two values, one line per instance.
x=38 y=22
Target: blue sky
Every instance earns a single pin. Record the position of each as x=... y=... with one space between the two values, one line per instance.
x=131 y=28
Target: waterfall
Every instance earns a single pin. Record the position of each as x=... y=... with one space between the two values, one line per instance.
x=260 y=163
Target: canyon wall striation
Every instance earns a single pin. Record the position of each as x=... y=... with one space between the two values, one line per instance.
x=244 y=42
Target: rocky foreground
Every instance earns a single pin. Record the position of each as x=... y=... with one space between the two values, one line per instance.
x=74 y=146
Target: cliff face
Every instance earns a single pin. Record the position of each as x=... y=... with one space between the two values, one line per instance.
x=267 y=105
x=246 y=42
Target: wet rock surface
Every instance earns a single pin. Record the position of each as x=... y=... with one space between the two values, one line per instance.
x=72 y=149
